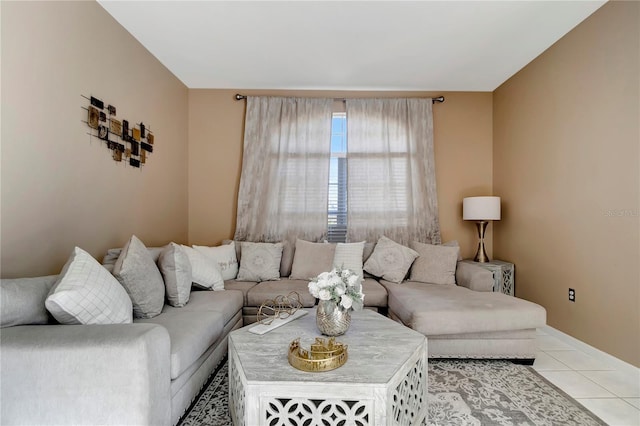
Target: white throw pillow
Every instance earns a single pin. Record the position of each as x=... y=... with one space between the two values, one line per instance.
x=139 y=275
x=86 y=293
x=225 y=256
x=205 y=272
x=349 y=256
x=175 y=268
x=390 y=260
x=260 y=261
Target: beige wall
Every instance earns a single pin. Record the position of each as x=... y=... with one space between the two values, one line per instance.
x=463 y=158
x=59 y=187
x=566 y=162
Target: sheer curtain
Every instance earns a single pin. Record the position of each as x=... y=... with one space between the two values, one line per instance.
x=391 y=171
x=285 y=169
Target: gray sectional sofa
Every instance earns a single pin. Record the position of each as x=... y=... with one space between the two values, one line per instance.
x=145 y=373
x=148 y=372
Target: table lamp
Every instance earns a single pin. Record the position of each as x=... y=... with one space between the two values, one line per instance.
x=482 y=210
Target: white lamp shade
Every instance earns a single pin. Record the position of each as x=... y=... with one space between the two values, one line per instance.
x=481 y=208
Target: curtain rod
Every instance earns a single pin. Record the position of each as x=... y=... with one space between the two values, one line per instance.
x=439 y=99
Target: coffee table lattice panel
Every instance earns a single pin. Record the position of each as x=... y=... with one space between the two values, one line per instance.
x=407 y=398
x=236 y=393
x=324 y=412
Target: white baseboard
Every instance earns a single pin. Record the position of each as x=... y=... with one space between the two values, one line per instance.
x=610 y=360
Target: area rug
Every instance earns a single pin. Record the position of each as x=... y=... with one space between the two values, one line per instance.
x=461 y=393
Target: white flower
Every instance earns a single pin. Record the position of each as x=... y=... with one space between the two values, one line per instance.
x=323 y=284
x=324 y=276
x=346 y=301
x=313 y=288
x=353 y=280
x=335 y=280
x=342 y=286
x=324 y=294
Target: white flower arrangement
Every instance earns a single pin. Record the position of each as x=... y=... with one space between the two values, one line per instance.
x=343 y=286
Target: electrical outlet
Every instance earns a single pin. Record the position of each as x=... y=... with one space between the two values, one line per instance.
x=572 y=295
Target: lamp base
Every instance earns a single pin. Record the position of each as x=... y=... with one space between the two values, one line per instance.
x=481 y=254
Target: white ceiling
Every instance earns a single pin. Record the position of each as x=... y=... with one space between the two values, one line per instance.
x=348 y=45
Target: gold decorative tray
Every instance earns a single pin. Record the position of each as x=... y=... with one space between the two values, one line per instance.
x=325 y=355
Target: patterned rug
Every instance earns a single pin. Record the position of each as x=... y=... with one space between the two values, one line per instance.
x=461 y=392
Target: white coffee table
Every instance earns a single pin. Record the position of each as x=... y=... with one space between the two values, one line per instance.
x=384 y=381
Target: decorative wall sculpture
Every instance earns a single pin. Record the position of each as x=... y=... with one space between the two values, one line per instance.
x=131 y=143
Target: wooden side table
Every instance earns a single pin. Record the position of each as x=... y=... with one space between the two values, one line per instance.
x=503 y=275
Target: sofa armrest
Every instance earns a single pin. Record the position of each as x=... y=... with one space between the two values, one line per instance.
x=474 y=277
x=85 y=374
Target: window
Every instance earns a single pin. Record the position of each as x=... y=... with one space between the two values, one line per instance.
x=337 y=200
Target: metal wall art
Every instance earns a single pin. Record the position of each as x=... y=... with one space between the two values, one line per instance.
x=128 y=143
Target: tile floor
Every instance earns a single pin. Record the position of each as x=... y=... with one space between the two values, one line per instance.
x=613 y=395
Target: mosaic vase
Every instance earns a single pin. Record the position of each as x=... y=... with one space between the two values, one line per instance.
x=332 y=319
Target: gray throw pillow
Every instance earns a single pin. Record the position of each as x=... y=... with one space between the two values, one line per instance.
x=288 y=250
x=286 y=262
x=140 y=277
x=86 y=293
x=114 y=253
x=390 y=260
x=436 y=264
x=312 y=259
x=260 y=262
x=22 y=300
x=175 y=268
x=454 y=243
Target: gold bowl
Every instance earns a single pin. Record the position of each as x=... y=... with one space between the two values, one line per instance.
x=324 y=355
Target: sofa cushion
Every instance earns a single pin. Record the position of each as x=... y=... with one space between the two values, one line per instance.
x=436 y=263
x=175 y=268
x=205 y=272
x=225 y=256
x=374 y=293
x=474 y=277
x=390 y=260
x=433 y=309
x=22 y=300
x=86 y=293
x=242 y=286
x=140 y=277
x=260 y=261
x=227 y=302
x=312 y=259
x=270 y=289
x=191 y=334
x=349 y=256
